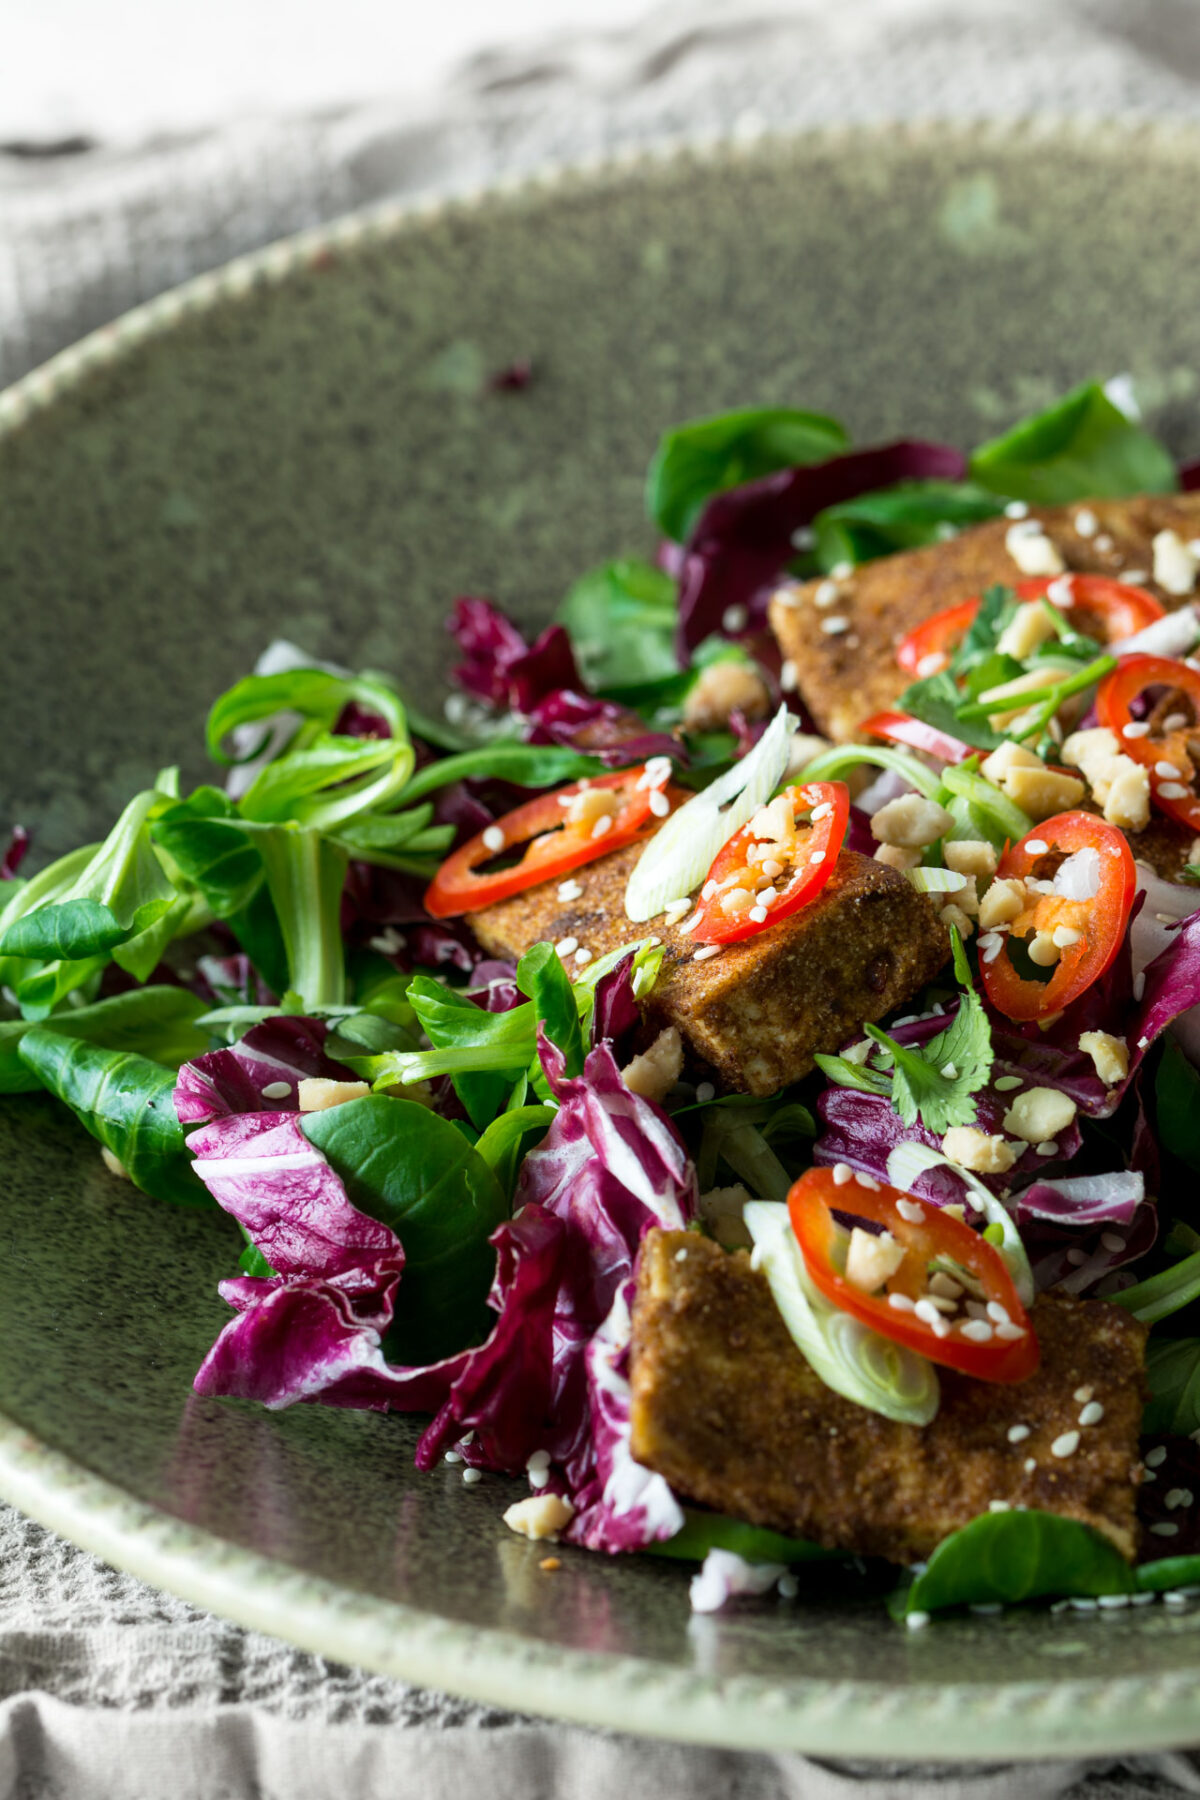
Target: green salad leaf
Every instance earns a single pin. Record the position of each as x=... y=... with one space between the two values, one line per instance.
x=416 y=1173
x=705 y=456
x=157 y=1022
x=622 y=618
x=1173 y=1374
x=124 y=1100
x=902 y=517
x=705 y=1531
x=1083 y=447
x=1168 y=1572
x=541 y=975
x=1177 y=1105
x=1004 y=1558
x=509 y=1139
x=1163 y=1294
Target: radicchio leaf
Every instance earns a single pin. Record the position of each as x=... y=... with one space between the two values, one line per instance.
x=601 y=727
x=279 y=1052
x=10 y=862
x=499 y=667
x=743 y=538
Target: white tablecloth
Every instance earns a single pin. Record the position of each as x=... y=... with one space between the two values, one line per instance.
x=108 y=1689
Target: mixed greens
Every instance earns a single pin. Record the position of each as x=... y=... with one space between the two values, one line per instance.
x=439 y=1180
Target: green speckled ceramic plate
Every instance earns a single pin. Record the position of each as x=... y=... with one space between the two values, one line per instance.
x=306 y=444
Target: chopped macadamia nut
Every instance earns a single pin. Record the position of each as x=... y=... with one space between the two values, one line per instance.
x=970 y=856
x=973 y=1149
x=1043 y=950
x=871 y=1260
x=1120 y=785
x=113 y=1164
x=1108 y=1053
x=1033 y=552
x=1174 y=563
x=896 y=858
x=721 y=689
x=963 y=923
x=654 y=1073
x=1026 y=632
x=804 y=747
x=911 y=822
x=316 y=1093
x=1042 y=792
x=722 y=1210
x=1002 y=903
x=591 y=804
x=967 y=897
x=995 y=767
x=541 y=1516
x=775 y=821
x=1039 y=1114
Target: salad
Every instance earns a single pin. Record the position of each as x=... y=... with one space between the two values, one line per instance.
x=736 y=1069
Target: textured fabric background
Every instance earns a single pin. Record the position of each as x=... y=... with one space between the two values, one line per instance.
x=110 y=1690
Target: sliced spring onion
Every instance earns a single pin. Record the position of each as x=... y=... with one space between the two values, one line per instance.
x=1176 y=634
x=679 y=856
x=994 y=815
x=936 y=881
x=833 y=764
x=854 y=1361
x=907 y=1162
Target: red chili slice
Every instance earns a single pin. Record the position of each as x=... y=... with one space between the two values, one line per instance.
x=555 y=842
x=1166 y=752
x=902 y=728
x=1092 y=927
x=787 y=865
x=993 y=1341
x=1100 y=607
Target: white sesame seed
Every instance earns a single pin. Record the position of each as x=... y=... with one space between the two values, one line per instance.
x=567 y=946
x=1104 y=543
x=734 y=617
x=787 y=676
x=1018 y=1433
x=1064 y=936
x=822 y=811
x=1137 y=728
x=1066 y=1445
x=1086 y=522
x=758 y=914
x=1092 y=1413
x=570 y=890
x=681 y=1255
x=928 y=1313
x=1134 y=577
x=1036 y=846
x=277 y=1090
x=1165 y=1529
x=867 y=1181
x=1167 y=918
x=842 y=571
x=678 y=906
x=977 y=1331
x=916 y=1621
x=1077 y=1258
x=707 y=952
x=1175 y=721
x=910 y=1211
x=493 y=838
x=1173 y=790
x=453 y=1456
x=1177 y=1497
x=1154 y=1459
x=1173 y=1597
x=705 y=1092
x=818 y=856
x=1048 y=1147
x=1081 y=1603
x=1004 y=1084
x=1083 y=1394
x=1016 y=509
x=538 y=1459
x=708 y=890
x=950 y=1071
x=931 y=664
x=1112 y=1602
x=1168 y=769
x=804 y=537
x=998 y=1313
x=656 y=771
x=1061 y=592
x=770 y=867
x=1112 y=1240
x=1148 y=1474
x=767 y=896
x=825 y=593
x=835 y=626
x=602 y=825
x=1139 y=988
x=1010 y=1333
x=787 y=1587
x=471 y=1476
x=901 y=1303
x=999 y=1505
x=583 y=956
x=842 y=1174
x=944 y=1285
x=660 y=806
x=1029 y=1465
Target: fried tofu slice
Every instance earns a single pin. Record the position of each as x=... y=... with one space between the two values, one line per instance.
x=726 y=1408
x=844 y=651
x=759 y=1011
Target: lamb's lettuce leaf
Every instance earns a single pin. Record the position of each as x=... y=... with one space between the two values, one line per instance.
x=1082 y=447
x=1004 y=1558
x=706 y=456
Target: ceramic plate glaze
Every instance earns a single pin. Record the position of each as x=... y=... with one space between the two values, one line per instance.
x=306 y=444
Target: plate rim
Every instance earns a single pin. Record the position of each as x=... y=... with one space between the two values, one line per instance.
x=608 y=1690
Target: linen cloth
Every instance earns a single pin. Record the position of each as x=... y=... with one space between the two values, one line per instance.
x=110 y=1690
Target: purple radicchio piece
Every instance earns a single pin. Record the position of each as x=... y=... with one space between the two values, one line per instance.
x=384 y=909
x=499 y=667
x=10 y=862
x=599 y=727
x=615 y=1012
x=623 y=1506
x=1078 y=1230
x=259 y=1074
x=743 y=538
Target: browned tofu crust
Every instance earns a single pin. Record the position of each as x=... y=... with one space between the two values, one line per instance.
x=850 y=672
x=729 y=1412
x=758 y=1012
